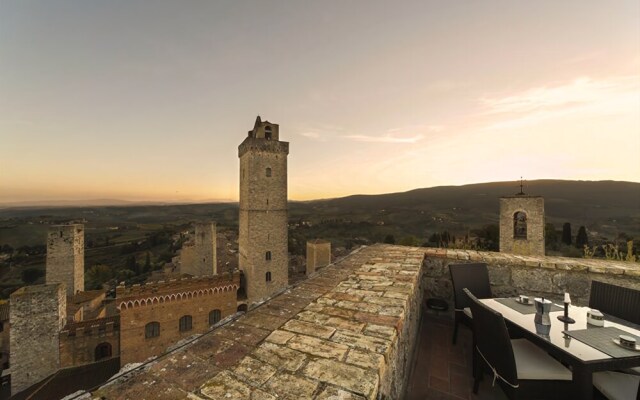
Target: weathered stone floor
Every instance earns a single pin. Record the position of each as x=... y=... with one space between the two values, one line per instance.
x=334 y=336
x=442 y=371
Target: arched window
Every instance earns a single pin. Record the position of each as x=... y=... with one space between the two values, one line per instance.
x=520 y=225
x=186 y=323
x=267 y=256
x=103 y=350
x=268 y=276
x=215 y=316
x=268 y=172
x=151 y=330
x=267 y=132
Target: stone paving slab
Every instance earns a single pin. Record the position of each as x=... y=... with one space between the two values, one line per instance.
x=339 y=333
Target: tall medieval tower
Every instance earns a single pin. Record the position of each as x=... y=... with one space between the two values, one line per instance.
x=205 y=247
x=65 y=256
x=263 y=211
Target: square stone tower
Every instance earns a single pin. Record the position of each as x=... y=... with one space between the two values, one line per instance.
x=65 y=256
x=318 y=255
x=38 y=314
x=263 y=244
x=522 y=225
x=205 y=262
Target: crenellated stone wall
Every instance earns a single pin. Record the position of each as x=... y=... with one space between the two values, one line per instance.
x=346 y=333
x=512 y=275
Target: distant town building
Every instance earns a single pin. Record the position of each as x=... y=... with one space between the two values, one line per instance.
x=522 y=224
x=318 y=255
x=65 y=256
x=198 y=257
x=263 y=247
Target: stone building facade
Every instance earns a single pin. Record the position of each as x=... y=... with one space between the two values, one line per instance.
x=522 y=225
x=38 y=314
x=156 y=316
x=263 y=221
x=318 y=255
x=198 y=257
x=89 y=341
x=65 y=256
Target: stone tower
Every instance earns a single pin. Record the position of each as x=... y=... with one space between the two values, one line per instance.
x=318 y=255
x=38 y=314
x=205 y=249
x=522 y=224
x=65 y=256
x=263 y=211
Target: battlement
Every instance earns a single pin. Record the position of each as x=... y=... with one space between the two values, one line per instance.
x=263 y=145
x=175 y=289
x=92 y=327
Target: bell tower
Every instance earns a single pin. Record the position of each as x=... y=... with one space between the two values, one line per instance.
x=263 y=244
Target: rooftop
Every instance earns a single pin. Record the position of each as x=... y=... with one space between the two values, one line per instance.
x=353 y=329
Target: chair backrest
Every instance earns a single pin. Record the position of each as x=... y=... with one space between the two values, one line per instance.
x=474 y=277
x=492 y=340
x=615 y=300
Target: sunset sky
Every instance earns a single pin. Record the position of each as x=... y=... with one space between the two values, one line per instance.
x=148 y=100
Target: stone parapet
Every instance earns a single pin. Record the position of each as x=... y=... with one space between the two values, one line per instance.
x=347 y=333
x=531 y=275
x=177 y=287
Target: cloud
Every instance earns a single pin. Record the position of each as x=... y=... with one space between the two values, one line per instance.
x=311 y=135
x=613 y=96
x=384 y=139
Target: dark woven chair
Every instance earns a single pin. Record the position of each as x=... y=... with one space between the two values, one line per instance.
x=616 y=301
x=617 y=385
x=474 y=277
x=522 y=369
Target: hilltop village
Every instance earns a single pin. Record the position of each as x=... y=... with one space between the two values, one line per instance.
x=58 y=326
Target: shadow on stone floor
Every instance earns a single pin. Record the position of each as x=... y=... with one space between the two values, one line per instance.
x=442 y=371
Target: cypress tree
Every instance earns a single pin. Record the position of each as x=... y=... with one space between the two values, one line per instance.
x=581 y=238
x=566 y=233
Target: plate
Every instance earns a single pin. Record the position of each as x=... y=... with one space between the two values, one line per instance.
x=524 y=304
x=617 y=341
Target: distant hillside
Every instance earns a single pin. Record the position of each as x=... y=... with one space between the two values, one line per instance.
x=607 y=206
x=604 y=207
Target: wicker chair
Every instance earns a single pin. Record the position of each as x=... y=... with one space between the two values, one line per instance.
x=617 y=301
x=522 y=369
x=474 y=277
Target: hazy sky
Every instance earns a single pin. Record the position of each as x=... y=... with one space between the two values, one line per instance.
x=148 y=100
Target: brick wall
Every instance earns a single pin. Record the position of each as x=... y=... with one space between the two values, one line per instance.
x=166 y=303
x=78 y=341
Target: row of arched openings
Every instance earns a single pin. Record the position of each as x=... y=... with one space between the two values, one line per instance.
x=185 y=324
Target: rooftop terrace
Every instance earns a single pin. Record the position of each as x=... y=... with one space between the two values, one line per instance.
x=356 y=330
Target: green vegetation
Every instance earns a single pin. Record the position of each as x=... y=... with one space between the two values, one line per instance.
x=128 y=243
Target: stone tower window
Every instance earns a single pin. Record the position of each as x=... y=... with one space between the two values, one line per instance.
x=267 y=256
x=268 y=276
x=268 y=172
x=151 y=330
x=520 y=225
x=215 y=316
x=267 y=132
x=186 y=323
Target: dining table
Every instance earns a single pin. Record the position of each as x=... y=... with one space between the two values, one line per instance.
x=583 y=347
